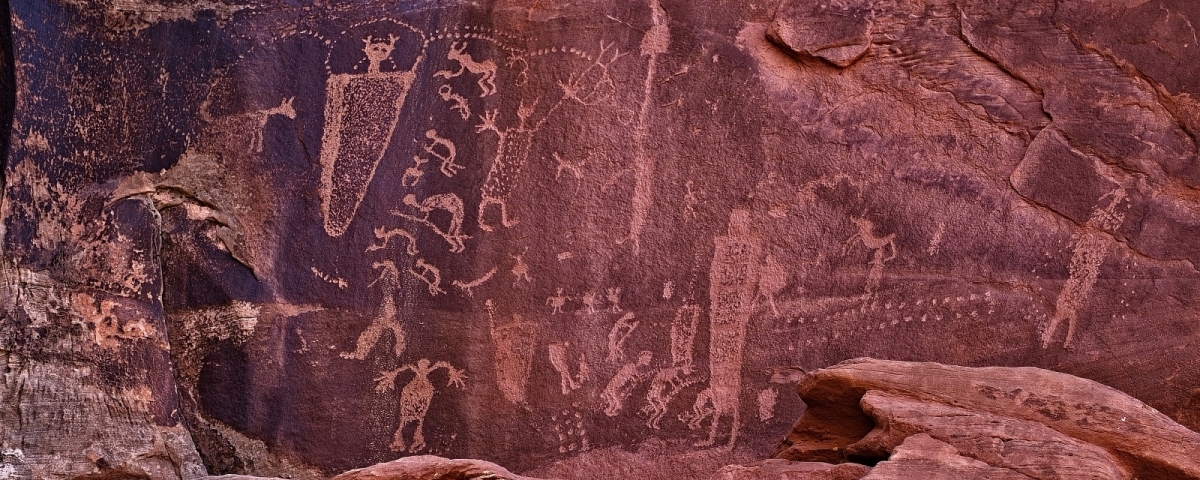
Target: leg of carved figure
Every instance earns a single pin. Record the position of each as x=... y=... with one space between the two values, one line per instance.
x=504 y=220
x=418 y=437
x=398 y=438
x=367 y=340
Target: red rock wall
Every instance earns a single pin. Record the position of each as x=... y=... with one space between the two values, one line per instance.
x=291 y=238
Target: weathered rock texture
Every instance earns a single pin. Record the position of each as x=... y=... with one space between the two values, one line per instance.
x=429 y=466
x=938 y=421
x=292 y=237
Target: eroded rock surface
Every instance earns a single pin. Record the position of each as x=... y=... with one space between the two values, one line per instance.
x=291 y=239
x=1029 y=422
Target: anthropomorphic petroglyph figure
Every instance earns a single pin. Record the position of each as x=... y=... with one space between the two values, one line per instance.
x=485 y=69
x=618 y=335
x=670 y=381
x=511 y=153
x=386 y=236
x=514 y=345
x=429 y=274
x=624 y=382
x=520 y=269
x=654 y=43
x=460 y=103
x=772 y=279
x=876 y=244
x=576 y=169
x=413 y=174
x=1091 y=248
x=443 y=149
x=284 y=109
x=378 y=51
x=361 y=113
x=703 y=408
x=558 y=359
x=447 y=202
x=732 y=283
x=613 y=295
x=557 y=301
x=590 y=300
x=467 y=286
x=386 y=320
x=415 y=398
x=512 y=150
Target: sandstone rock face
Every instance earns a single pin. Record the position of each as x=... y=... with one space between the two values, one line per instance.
x=290 y=239
x=429 y=466
x=776 y=469
x=1013 y=422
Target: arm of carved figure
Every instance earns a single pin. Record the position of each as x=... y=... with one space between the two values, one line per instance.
x=891 y=243
x=488 y=122
x=456 y=376
x=387 y=380
x=849 y=243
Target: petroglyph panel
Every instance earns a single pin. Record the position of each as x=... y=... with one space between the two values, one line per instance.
x=622 y=220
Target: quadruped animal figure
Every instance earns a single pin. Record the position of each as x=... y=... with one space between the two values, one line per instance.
x=485 y=69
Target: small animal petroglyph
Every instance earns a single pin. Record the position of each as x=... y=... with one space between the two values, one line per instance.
x=618 y=335
x=386 y=320
x=446 y=154
x=447 y=202
x=460 y=103
x=613 y=295
x=1091 y=248
x=558 y=359
x=557 y=301
x=386 y=236
x=876 y=244
x=284 y=109
x=415 y=398
x=590 y=300
x=467 y=286
x=485 y=69
x=668 y=290
x=624 y=382
x=428 y=274
x=576 y=169
x=520 y=269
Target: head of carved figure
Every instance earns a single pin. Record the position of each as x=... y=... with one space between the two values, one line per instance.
x=285 y=108
x=739 y=222
x=644 y=357
x=423 y=364
x=410 y=199
x=378 y=50
x=863 y=224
